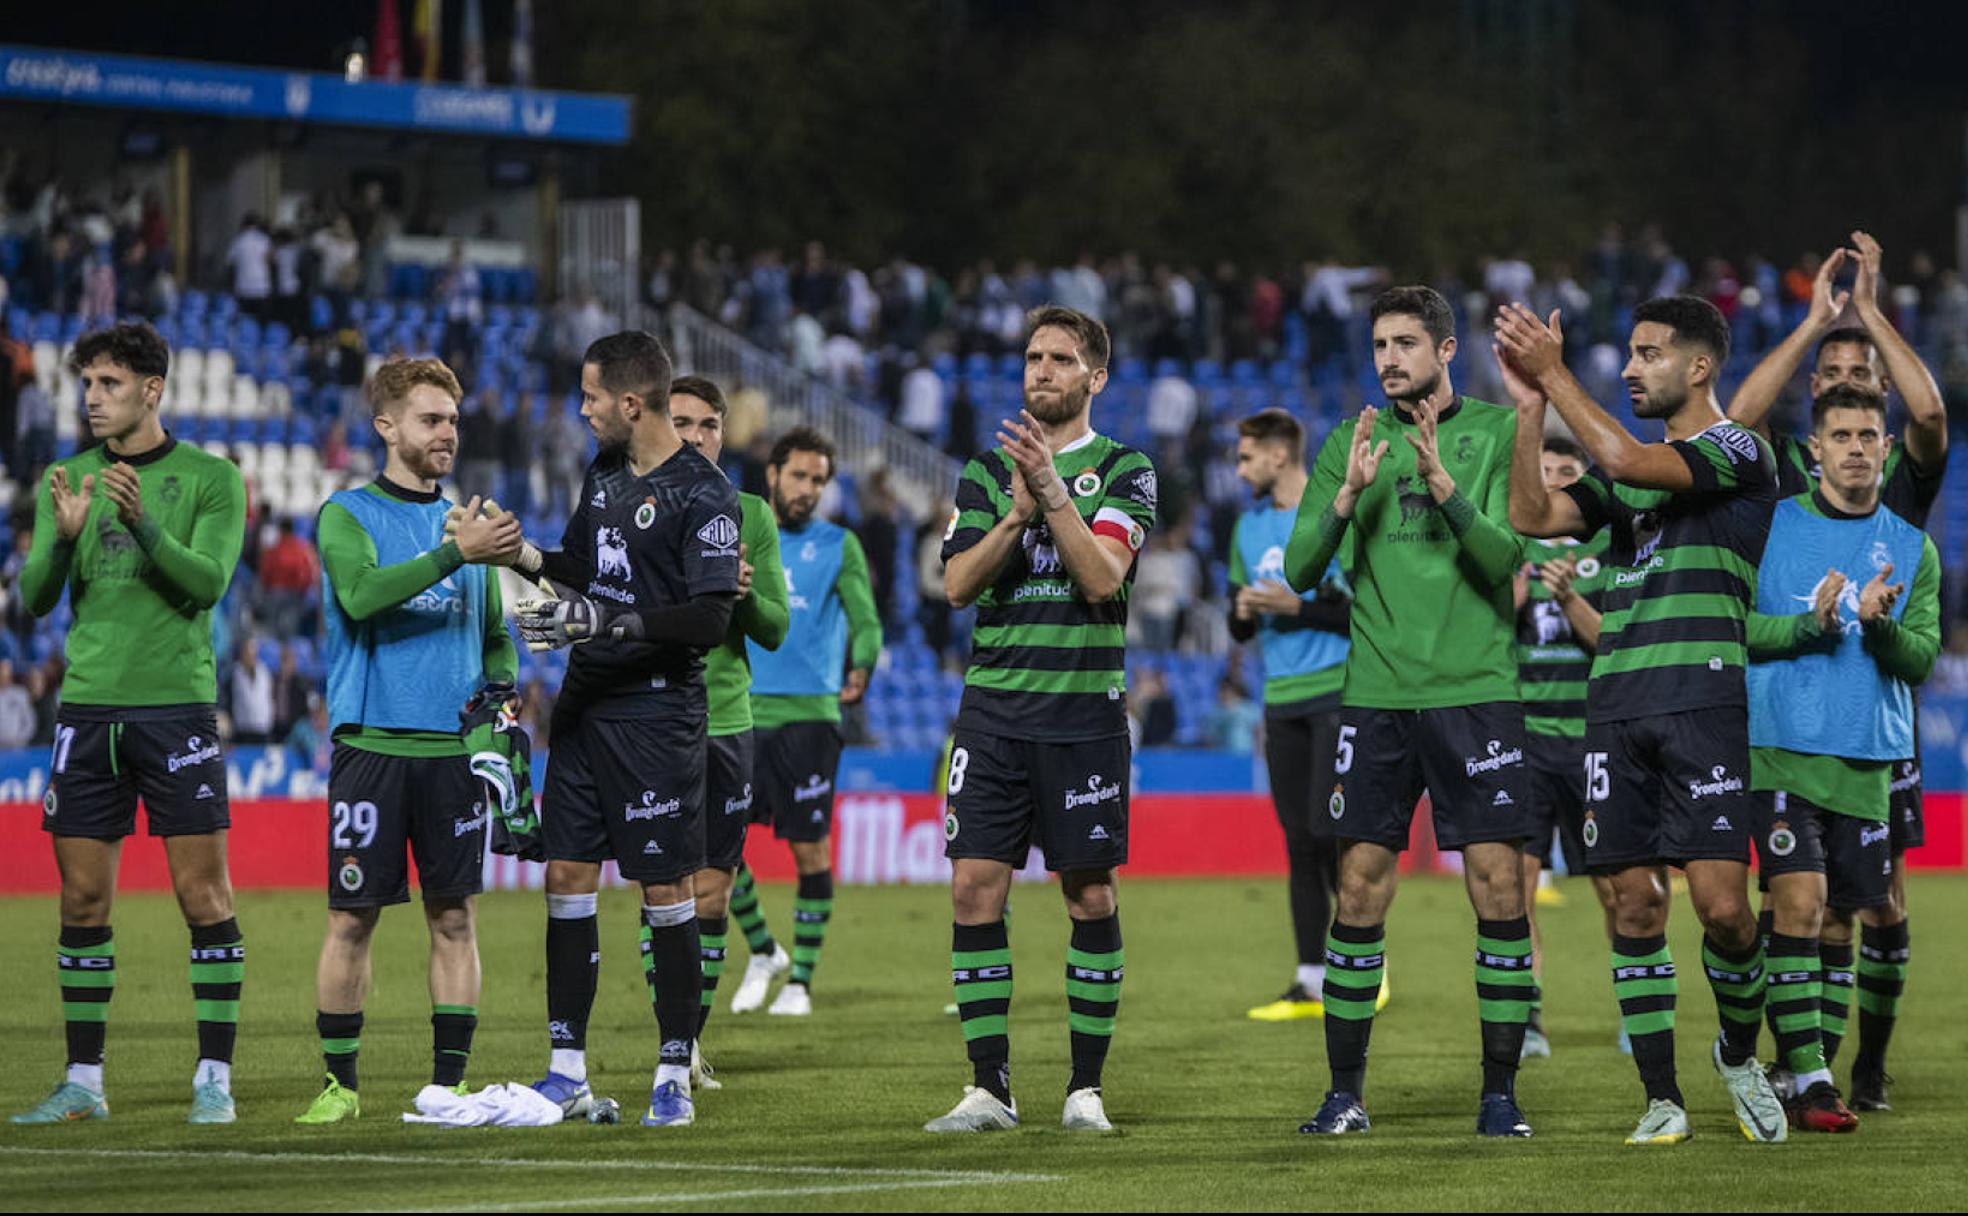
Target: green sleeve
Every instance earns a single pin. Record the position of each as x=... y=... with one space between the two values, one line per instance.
x=1905 y=648
x=363 y=588
x=864 y=632
x=1239 y=577
x=764 y=616
x=202 y=569
x=1317 y=532
x=1781 y=637
x=501 y=656
x=1485 y=534
x=45 y=572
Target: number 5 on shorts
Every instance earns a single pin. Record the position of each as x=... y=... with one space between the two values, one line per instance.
x=1343 y=762
x=1598 y=782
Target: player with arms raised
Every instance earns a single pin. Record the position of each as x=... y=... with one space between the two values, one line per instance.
x=1667 y=721
x=1043 y=540
x=143 y=533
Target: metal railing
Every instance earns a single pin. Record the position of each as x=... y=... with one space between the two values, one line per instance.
x=919 y=473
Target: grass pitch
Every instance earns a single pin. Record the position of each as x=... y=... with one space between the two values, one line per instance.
x=823 y=1113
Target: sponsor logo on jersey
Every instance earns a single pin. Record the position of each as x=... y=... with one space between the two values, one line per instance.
x=651 y=849
x=600 y=500
x=1499 y=757
x=1721 y=782
x=1737 y=443
x=1646 y=537
x=350 y=875
x=645 y=515
x=1099 y=832
x=1503 y=798
x=1873 y=834
x=651 y=807
x=1272 y=564
x=1098 y=790
x=204 y=793
x=1721 y=824
x=1041 y=555
x=1416 y=502
x=197 y=751
x=794 y=600
x=815 y=786
x=465 y=827
x=1146 y=488
x=742 y=802
x=1783 y=841
x=1909 y=776
x=1848 y=603
x=611 y=553
x=720 y=534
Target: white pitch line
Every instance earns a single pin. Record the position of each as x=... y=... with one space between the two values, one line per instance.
x=923 y=1176
x=674 y=1198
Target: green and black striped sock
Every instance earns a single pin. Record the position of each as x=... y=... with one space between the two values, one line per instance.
x=1356 y=958
x=452 y=1027
x=980 y=972
x=746 y=911
x=341 y=1043
x=1645 y=985
x=1094 y=967
x=1506 y=992
x=1835 y=998
x=218 y=970
x=1795 y=993
x=813 y=907
x=711 y=931
x=86 y=957
x=1883 y=957
x=1737 y=981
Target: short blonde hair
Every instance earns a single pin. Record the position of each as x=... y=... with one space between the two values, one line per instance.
x=391 y=384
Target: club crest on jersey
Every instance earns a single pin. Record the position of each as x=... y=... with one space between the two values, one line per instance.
x=611 y=553
x=1588 y=567
x=1087 y=483
x=1783 y=841
x=172 y=489
x=645 y=515
x=1590 y=832
x=1465 y=448
x=720 y=533
x=350 y=875
x=1336 y=805
x=949 y=825
x=48 y=803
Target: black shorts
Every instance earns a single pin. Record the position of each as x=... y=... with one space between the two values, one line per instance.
x=1795 y=836
x=1470 y=759
x=1070 y=799
x=383 y=808
x=1670 y=788
x=1298 y=756
x=1558 y=793
x=106 y=756
x=793 y=774
x=627 y=789
x=727 y=799
x=1906 y=817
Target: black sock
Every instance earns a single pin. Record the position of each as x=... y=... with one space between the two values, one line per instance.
x=1356 y=959
x=1094 y=967
x=980 y=972
x=341 y=1041
x=1505 y=993
x=218 y=969
x=677 y=969
x=87 y=959
x=1645 y=986
x=1310 y=863
x=573 y=967
x=451 y=1041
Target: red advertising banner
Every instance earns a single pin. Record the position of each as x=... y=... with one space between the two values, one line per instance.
x=878 y=838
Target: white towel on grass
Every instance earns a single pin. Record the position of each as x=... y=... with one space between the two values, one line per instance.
x=494 y=1106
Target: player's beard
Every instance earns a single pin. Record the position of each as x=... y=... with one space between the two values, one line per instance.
x=787 y=512
x=428 y=465
x=1659 y=403
x=1417 y=390
x=1065 y=407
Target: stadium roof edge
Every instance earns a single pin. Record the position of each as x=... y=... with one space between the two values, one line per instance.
x=57 y=77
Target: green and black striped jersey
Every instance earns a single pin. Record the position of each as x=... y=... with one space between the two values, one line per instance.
x=1552 y=666
x=1681 y=578
x=1045 y=663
